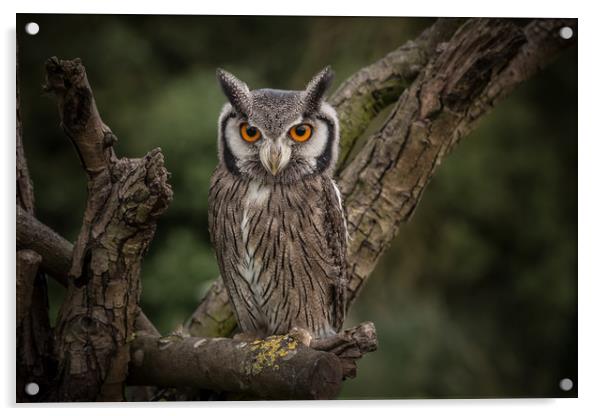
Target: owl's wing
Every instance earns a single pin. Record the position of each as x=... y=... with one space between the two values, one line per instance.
x=337 y=241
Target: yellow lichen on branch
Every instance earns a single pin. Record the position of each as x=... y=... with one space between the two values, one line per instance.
x=266 y=353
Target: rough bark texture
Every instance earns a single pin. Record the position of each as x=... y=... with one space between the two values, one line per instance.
x=125 y=197
x=55 y=250
x=481 y=63
x=350 y=346
x=386 y=180
x=370 y=90
x=214 y=316
x=278 y=367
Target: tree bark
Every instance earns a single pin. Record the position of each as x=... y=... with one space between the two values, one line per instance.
x=279 y=367
x=125 y=198
x=56 y=252
x=372 y=89
x=483 y=62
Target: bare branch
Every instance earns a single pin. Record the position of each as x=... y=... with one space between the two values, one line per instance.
x=485 y=60
x=55 y=250
x=370 y=90
x=214 y=316
x=349 y=346
x=278 y=367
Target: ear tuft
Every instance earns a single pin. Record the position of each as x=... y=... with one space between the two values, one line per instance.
x=316 y=88
x=236 y=91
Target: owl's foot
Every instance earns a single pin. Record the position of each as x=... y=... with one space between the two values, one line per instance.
x=302 y=335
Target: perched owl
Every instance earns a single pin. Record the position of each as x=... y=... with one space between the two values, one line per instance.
x=275 y=213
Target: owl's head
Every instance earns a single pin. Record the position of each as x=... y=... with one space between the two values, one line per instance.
x=277 y=135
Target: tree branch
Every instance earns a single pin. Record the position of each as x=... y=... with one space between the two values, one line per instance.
x=370 y=90
x=278 y=367
x=125 y=197
x=56 y=252
x=484 y=61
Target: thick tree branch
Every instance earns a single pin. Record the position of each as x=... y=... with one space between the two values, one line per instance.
x=125 y=197
x=278 y=367
x=482 y=63
x=56 y=252
x=370 y=90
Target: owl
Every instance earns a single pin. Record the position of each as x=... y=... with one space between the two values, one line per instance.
x=275 y=213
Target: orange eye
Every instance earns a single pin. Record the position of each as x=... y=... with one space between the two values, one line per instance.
x=300 y=132
x=249 y=133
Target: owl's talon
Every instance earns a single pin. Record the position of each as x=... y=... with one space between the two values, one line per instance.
x=301 y=335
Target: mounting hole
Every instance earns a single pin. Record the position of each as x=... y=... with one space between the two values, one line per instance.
x=566 y=384
x=565 y=33
x=32 y=28
x=32 y=389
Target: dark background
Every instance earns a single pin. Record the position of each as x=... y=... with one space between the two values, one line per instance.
x=477 y=296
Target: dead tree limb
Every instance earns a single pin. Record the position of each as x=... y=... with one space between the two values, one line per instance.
x=466 y=77
x=56 y=252
x=385 y=182
x=125 y=198
x=371 y=89
x=278 y=367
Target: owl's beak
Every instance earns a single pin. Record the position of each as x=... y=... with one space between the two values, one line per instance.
x=274 y=157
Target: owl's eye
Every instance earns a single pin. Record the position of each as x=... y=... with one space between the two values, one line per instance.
x=249 y=133
x=300 y=132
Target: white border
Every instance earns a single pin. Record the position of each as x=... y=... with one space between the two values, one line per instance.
x=590 y=288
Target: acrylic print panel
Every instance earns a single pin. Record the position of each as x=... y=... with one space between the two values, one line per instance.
x=281 y=253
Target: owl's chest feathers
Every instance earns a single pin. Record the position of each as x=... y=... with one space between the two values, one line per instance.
x=252 y=204
x=281 y=229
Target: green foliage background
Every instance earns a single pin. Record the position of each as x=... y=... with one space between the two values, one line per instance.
x=477 y=295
